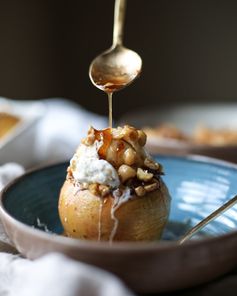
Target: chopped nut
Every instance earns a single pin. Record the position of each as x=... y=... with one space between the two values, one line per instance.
x=87 y=141
x=140 y=191
x=126 y=172
x=104 y=190
x=130 y=134
x=151 y=187
x=90 y=139
x=144 y=175
x=69 y=173
x=154 y=180
x=117 y=133
x=161 y=169
x=93 y=188
x=129 y=156
x=149 y=163
x=141 y=138
x=73 y=165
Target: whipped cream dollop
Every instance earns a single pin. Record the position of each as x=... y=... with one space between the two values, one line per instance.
x=88 y=168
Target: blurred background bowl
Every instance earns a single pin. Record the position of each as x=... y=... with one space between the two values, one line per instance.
x=14 y=146
x=186 y=118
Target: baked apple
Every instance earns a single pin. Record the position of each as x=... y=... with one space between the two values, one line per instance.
x=113 y=190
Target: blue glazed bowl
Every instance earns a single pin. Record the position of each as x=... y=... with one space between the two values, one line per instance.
x=198 y=185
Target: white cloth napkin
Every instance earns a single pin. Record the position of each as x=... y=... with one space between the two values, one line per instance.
x=59 y=132
x=57 y=136
x=55 y=275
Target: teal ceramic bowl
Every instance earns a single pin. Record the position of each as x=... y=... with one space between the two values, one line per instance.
x=198 y=185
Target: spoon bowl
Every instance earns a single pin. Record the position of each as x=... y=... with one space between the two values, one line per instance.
x=115 y=68
x=118 y=66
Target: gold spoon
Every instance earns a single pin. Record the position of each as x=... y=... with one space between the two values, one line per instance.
x=208 y=219
x=118 y=66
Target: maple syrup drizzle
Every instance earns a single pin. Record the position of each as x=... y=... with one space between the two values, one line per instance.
x=100 y=217
x=115 y=226
x=106 y=137
x=110 y=99
x=117 y=202
x=109 y=86
x=119 y=150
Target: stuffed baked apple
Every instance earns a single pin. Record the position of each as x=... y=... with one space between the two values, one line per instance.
x=113 y=189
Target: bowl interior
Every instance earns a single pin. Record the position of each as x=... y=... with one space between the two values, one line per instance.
x=33 y=198
x=198 y=185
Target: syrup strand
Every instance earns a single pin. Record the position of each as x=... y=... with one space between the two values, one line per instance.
x=110 y=94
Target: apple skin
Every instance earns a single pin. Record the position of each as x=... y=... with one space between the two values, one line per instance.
x=87 y=216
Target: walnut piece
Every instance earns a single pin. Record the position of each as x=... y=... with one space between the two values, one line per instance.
x=149 y=163
x=140 y=191
x=126 y=172
x=151 y=187
x=94 y=189
x=141 y=138
x=104 y=190
x=90 y=139
x=144 y=175
x=130 y=156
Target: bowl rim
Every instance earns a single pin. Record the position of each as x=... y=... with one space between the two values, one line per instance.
x=126 y=247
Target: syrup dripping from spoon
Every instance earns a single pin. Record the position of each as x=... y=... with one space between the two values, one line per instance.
x=118 y=66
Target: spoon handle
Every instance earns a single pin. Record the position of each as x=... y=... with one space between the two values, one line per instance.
x=208 y=219
x=119 y=15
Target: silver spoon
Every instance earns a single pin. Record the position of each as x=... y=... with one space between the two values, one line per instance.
x=118 y=66
x=208 y=219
